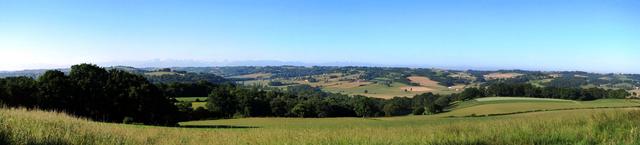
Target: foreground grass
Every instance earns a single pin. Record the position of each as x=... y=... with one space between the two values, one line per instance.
x=603 y=126
x=505 y=105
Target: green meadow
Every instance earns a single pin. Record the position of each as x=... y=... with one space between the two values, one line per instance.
x=573 y=125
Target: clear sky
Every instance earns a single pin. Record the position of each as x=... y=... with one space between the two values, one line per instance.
x=587 y=35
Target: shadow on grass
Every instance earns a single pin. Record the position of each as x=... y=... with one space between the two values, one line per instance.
x=217 y=126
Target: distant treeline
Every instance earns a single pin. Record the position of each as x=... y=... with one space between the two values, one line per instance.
x=528 y=90
x=186 y=78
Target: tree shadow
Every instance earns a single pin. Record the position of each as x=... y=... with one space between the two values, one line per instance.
x=217 y=126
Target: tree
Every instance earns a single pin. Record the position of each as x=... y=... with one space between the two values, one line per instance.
x=303 y=110
x=19 y=91
x=222 y=102
x=280 y=106
x=365 y=106
x=90 y=97
x=470 y=93
x=54 y=90
x=418 y=111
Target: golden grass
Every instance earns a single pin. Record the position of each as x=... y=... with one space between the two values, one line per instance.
x=605 y=126
x=424 y=81
x=416 y=89
x=515 y=104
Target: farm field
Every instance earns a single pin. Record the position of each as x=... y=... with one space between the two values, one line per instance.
x=375 y=90
x=601 y=126
x=394 y=89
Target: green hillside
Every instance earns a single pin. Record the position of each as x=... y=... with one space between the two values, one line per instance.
x=578 y=126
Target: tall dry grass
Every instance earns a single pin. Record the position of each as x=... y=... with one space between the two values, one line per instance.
x=608 y=126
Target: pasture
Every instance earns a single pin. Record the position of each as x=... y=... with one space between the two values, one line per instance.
x=499 y=75
x=195 y=101
x=602 y=126
x=507 y=105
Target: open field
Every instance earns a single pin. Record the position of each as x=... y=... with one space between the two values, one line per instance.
x=377 y=90
x=505 y=105
x=254 y=76
x=423 y=81
x=602 y=126
x=193 y=100
x=196 y=105
x=349 y=84
x=501 y=75
x=394 y=90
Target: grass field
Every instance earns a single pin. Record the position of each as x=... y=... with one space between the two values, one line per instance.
x=193 y=100
x=505 y=105
x=603 y=126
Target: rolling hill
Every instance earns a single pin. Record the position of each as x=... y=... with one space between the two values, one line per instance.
x=581 y=126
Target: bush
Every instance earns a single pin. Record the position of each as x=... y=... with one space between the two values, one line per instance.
x=418 y=111
x=128 y=120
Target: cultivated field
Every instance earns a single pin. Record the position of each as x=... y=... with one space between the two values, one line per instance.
x=351 y=85
x=394 y=90
x=577 y=126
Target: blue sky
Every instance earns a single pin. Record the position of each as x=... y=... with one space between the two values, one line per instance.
x=597 y=36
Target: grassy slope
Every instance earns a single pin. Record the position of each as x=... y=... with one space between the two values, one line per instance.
x=502 y=105
x=608 y=126
x=582 y=126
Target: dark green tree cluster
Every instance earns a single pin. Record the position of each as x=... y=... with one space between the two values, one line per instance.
x=197 y=89
x=528 y=90
x=229 y=100
x=186 y=78
x=93 y=92
x=567 y=82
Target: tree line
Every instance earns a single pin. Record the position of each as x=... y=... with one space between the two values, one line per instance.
x=528 y=90
x=231 y=101
x=92 y=92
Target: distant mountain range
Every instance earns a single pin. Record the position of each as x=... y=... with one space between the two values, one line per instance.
x=150 y=65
